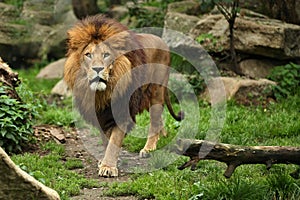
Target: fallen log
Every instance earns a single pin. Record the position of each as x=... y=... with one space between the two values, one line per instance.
x=235 y=155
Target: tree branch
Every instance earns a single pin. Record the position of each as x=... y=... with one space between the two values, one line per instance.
x=235 y=155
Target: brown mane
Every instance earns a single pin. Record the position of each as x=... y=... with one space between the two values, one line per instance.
x=97 y=29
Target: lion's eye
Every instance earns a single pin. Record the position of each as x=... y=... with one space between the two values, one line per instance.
x=89 y=55
x=106 y=55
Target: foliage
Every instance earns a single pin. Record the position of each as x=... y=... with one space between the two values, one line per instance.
x=149 y=17
x=17 y=3
x=209 y=42
x=287 y=78
x=53 y=172
x=15 y=120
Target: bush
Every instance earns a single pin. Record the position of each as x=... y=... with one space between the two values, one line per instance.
x=287 y=78
x=15 y=122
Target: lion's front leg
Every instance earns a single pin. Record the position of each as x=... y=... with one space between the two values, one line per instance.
x=108 y=165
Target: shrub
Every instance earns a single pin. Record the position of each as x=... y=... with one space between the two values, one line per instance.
x=15 y=122
x=287 y=78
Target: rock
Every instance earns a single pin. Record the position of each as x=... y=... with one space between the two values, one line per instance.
x=180 y=22
x=53 y=70
x=243 y=90
x=267 y=37
x=17 y=184
x=36 y=31
x=8 y=11
x=118 y=12
x=257 y=68
x=61 y=89
x=41 y=12
x=264 y=37
x=189 y=7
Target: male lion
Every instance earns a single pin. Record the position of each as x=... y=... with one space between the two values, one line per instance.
x=115 y=74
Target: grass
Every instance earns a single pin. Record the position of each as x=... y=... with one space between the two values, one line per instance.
x=276 y=124
x=52 y=111
x=53 y=172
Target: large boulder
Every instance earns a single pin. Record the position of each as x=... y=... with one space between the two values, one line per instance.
x=243 y=90
x=17 y=184
x=257 y=36
x=189 y=7
x=35 y=31
x=54 y=70
x=180 y=22
x=258 y=68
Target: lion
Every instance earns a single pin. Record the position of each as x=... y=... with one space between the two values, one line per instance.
x=114 y=75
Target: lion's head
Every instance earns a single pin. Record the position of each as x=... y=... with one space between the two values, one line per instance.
x=100 y=52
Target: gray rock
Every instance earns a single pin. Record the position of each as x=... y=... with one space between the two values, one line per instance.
x=189 y=7
x=37 y=31
x=257 y=68
x=264 y=37
x=236 y=88
x=53 y=70
x=61 y=89
x=8 y=11
x=119 y=12
x=180 y=22
x=17 y=184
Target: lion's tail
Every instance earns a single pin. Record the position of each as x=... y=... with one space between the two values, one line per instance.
x=180 y=115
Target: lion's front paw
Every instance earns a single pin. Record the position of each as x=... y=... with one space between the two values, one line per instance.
x=107 y=171
x=144 y=153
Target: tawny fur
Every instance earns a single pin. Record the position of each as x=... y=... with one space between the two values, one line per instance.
x=134 y=50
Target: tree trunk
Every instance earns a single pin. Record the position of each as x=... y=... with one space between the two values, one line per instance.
x=84 y=8
x=284 y=10
x=9 y=79
x=234 y=155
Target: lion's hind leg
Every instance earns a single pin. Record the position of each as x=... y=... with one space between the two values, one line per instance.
x=156 y=127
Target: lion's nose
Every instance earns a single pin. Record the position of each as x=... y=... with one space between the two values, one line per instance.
x=97 y=69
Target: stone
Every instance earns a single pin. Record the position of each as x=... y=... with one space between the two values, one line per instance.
x=17 y=184
x=8 y=11
x=264 y=37
x=180 y=22
x=237 y=88
x=37 y=31
x=189 y=7
x=257 y=68
x=267 y=37
x=61 y=89
x=118 y=12
x=53 y=70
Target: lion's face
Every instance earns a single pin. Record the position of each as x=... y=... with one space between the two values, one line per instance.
x=98 y=60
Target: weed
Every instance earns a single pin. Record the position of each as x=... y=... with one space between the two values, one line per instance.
x=287 y=78
x=15 y=122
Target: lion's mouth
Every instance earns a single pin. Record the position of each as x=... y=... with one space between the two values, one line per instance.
x=98 y=80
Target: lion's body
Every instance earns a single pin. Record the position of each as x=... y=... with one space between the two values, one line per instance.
x=112 y=69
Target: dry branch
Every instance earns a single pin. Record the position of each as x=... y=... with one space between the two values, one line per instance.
x=234 y=155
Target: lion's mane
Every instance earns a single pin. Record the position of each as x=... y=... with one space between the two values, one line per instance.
x=95 y=107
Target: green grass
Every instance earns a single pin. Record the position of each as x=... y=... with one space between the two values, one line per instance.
x=52 y=110
x=276 y=124
x=51 y=170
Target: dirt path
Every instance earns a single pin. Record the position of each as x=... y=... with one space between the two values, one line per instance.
x=81 y=144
